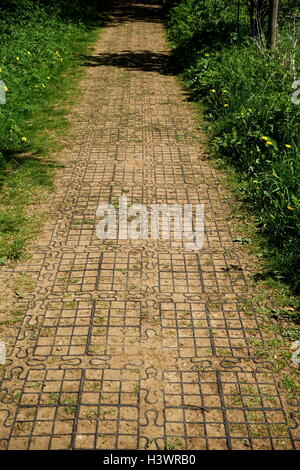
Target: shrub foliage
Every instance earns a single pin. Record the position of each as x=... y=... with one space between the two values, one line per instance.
x=247 y=92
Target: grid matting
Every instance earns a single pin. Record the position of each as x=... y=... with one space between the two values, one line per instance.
x=137 y=344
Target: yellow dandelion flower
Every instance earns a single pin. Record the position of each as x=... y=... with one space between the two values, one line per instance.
x=213 y=90
x=226 y=105
x=28 y=52
x=265 y=138
x=17 y=58
x=206 y=54
x=48 y=78
x=24 y=139
x=6 y=89
x=288 y=146
x=290 y=208
x=269 y=142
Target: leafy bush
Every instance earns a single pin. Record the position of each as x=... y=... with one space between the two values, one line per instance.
x=247 y=96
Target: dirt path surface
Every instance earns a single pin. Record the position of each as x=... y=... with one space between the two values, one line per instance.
x=136 y=344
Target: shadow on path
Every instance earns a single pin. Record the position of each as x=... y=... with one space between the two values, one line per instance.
x=144 y=60
x=150 y=12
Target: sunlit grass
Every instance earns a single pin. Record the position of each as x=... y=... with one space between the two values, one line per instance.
x=39 y=64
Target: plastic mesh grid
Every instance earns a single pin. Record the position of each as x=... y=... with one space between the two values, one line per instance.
x=137 y=344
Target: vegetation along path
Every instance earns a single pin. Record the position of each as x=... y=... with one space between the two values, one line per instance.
x=137 y=344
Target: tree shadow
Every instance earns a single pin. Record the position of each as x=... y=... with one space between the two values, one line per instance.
x=211 y=39
x=36 y=169
x=146 y=61
x=149 y=11
x=143 y=60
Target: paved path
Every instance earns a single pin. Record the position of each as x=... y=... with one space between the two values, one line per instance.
x=140 y=343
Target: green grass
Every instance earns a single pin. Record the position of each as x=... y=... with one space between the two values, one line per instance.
x=40 y=57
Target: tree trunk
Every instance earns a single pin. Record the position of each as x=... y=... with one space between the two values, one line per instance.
x=256 y=17
x=273 y=24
